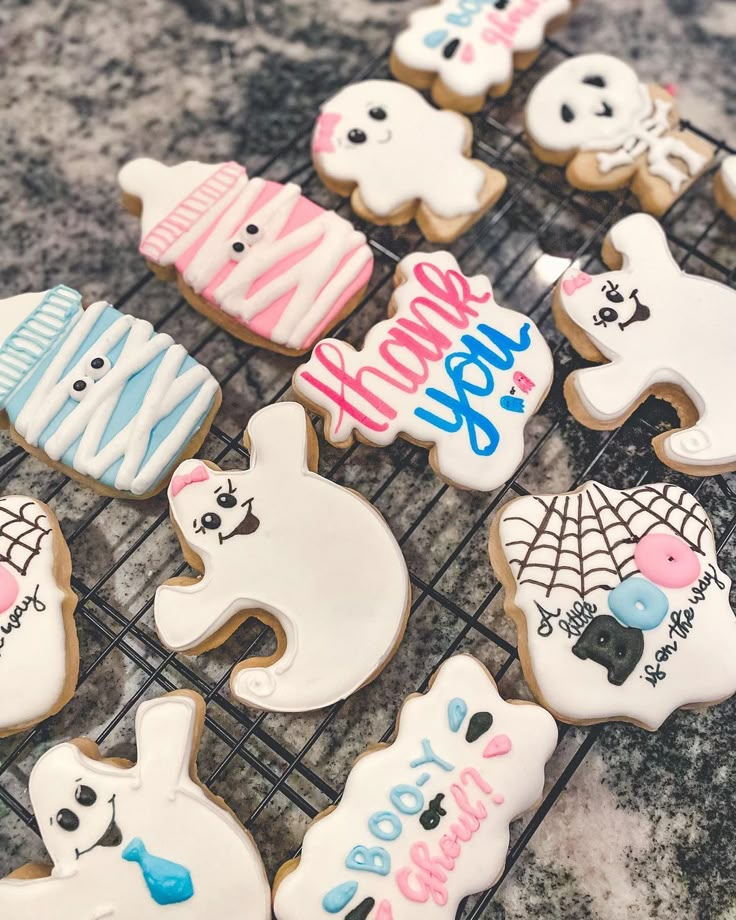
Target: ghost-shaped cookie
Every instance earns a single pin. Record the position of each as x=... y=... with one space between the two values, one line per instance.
x=724 y=186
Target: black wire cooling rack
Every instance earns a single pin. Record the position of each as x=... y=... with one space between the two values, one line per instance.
x=278 y=772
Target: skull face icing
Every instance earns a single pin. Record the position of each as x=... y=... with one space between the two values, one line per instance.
x=623 y=608
x=133 y=842
x=279 y=539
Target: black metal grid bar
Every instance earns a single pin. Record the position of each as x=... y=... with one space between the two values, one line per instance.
x=122 y=630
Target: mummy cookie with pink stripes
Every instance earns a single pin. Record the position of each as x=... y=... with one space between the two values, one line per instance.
x=424 y=821
x=255 y=256
x=450 y=370
x=724 y=186
x=398 y=158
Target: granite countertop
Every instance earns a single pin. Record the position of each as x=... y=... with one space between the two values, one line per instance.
x=643 y=827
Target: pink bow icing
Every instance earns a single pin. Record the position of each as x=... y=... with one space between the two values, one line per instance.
x=198 y=474
x=322 y=140
x=578 y=280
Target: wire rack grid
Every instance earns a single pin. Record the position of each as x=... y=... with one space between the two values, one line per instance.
x=279 y=772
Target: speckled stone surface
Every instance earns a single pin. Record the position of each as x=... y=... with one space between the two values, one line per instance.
x=644 y=826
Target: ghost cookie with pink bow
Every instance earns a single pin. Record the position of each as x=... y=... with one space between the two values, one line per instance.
x=398 y=158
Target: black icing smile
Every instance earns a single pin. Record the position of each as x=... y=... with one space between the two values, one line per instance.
x=112 y=837
x=248 y=525
x=606 y=111
x=639 y=315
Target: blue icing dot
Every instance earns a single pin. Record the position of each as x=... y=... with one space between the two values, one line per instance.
x=512 y=403
x=456 y=712
x=334 y=901
x=638 y=603
x=433 y=39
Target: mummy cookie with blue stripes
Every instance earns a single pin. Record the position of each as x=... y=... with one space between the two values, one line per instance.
x=424 y=822
x=256 y=257
x=724 y=186
x=622 y=609
x=144 y=840
x=98 y=394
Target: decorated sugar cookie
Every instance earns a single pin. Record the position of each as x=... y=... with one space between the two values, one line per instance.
x=725 y=186
x=464 y=49
x=622 y=610
x=38 y=642
x=308 y=557
x=98 y=394
x=256 y=257
x=424 y=821
x=592 y=114
x=399 y=158
x=662 y=332
x=450 y=369
x=142 y=841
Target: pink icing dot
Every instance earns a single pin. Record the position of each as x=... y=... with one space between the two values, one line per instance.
x=667 y=560
x=8 y=589
x=498 y=746
x=498 y=799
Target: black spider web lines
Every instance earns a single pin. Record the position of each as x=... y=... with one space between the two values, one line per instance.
x=21 y=533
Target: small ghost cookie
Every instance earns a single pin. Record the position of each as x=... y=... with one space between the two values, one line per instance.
x=593 y=115
x=724 y=186
x=424 y=822
x=310 y=558
x=254 y=256
x=450 y=370
x=399 y=158
x=38 y=643
x=145 y=840
x=465 y=49
x=663 y=332
x=622 y=610
x=98 y=394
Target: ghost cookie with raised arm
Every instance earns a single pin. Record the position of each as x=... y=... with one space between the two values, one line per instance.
x=399 y=158
x=137 y=842
x=593 y=115
x=311 y=559
x=724 y=186
x=662 y=332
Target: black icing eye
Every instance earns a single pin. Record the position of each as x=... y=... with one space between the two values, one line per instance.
x=98 y=367
x=595 y=81
x=377 y=113
x=608 y=315
x=225 y=500
x=567 y=113
x=67 y=820
x=620 y=651
x=211 y=521
x=80 y=387
x=85 y=795
x=603 y=638
x=356 y=136
x=251 y=229
x=238 y=246
x=615 y=296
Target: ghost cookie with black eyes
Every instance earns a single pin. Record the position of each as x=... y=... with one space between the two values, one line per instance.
x=399 y=158
x=143 y=841
x=311 y=559
x=593 y=115
x=724 y=186
x=660 y=331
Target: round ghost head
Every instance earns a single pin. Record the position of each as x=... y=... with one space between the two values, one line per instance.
x=590 y=101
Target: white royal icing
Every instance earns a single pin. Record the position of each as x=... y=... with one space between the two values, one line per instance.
x=470 y=44
x=260 y=251
x=186 y=856
x=669 y=327
x=573 y=555
x=33 y=639
x=596 y=102
x=728 y=174
x=411 y=152
x=425 y=821
x=312 y=554
x=450 y=368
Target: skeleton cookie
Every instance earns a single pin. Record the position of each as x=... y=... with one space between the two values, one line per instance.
x=307 y=556
x=399 y=158
x=464 y=49
x=39 y=655
x=725 y=186
x=424 y=821
x=663 y=332
x=255 y=256
x=145 y=841
x=621 y=607
x=450 y=369
x=592 y=113
x=99 y=394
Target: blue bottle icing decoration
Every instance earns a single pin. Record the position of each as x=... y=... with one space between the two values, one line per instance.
x=167 y=882
x=339 y=896
x=457 y=709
